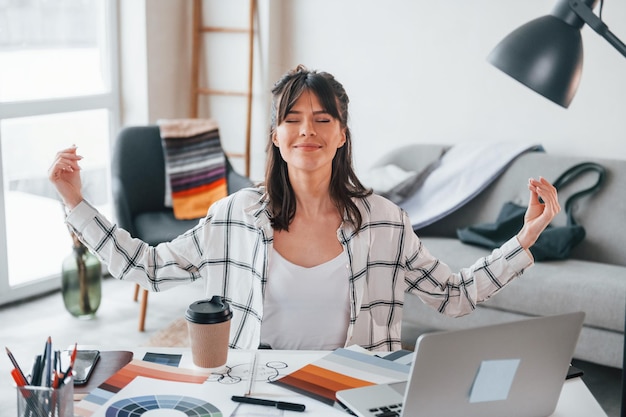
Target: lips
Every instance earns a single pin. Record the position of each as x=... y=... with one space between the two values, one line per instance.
x=308 y=146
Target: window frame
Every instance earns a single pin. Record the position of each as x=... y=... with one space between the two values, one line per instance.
x=109 y=101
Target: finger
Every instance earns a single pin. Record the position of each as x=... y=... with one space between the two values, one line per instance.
x=62 y=166
x=67 y=158
x=69 y=163
x=533 y=198
x=549 y=193
x=551 y=205
x=62 y=170
x=71 y=149
x=69 y=154
x=543 y=189
x=541 y=183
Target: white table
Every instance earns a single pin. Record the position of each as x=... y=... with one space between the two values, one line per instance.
x=576 y=400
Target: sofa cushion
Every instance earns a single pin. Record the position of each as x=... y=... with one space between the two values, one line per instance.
x=550 y=287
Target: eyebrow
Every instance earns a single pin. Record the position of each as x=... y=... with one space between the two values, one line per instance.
x=315 y=112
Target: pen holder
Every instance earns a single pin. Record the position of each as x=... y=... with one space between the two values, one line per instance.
x=34 y=401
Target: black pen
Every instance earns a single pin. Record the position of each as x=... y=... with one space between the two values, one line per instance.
x=35 y=378
x=281 y=405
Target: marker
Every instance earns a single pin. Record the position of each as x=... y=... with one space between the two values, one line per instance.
x=281 y=405
x=18 y=377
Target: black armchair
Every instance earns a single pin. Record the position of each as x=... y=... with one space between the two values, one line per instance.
x=138 y=185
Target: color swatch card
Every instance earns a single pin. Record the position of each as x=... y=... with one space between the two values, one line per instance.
x=169 y=390
x=136 y=368
x=147 y=395
x=343 y=369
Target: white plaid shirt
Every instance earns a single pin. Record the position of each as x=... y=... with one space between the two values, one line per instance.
x=230 y=248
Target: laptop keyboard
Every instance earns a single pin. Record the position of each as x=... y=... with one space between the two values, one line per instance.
x=393 y=410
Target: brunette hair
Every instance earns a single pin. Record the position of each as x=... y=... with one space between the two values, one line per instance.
x=344 y=184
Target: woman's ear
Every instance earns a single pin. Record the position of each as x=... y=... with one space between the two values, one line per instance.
x=343 y=138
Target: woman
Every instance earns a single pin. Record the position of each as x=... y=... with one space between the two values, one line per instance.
x=311 y=259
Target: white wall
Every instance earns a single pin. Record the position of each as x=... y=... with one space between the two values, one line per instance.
x=155 y=59
x=416 y=71
x=156 y=37
x=133 y=62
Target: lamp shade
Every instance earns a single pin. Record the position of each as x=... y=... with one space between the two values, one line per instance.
x=546 y=55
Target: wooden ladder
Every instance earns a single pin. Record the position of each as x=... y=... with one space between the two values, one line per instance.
x=199 y=30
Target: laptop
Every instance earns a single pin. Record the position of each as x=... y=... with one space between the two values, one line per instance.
x=514 y=369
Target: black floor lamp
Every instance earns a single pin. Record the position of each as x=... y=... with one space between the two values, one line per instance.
x=546 y=54
x=624 y=372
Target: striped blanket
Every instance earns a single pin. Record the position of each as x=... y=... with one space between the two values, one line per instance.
x=195 y=166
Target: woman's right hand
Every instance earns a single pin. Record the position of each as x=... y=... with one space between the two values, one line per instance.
x=65 y=175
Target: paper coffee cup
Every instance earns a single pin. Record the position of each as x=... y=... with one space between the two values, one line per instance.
x=209 y=330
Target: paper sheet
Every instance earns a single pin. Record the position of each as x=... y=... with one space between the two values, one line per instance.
x=238 y=378
x=493 y=380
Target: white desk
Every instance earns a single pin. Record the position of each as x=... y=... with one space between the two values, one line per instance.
x=576 y=400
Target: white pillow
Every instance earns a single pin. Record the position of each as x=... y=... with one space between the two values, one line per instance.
x=383 y=179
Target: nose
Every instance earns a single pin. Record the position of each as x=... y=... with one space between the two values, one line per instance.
x=307 y=128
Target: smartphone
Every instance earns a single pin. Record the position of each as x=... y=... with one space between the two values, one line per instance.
x=84 y=364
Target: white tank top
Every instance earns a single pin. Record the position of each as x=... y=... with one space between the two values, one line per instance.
x=306 y=308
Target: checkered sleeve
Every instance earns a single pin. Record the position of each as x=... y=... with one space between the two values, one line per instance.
x=457 y=293
x=157 y=268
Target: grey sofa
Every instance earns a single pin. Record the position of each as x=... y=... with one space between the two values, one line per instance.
x=593 y=279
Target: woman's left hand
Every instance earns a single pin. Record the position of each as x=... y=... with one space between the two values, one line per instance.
x=539 y=213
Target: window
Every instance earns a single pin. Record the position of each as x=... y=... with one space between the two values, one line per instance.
x=58 y=87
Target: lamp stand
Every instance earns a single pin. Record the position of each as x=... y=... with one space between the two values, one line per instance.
x=624 y=372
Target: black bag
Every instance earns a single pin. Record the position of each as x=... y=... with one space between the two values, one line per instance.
x=555 y=242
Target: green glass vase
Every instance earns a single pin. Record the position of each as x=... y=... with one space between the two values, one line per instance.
x=81 y=283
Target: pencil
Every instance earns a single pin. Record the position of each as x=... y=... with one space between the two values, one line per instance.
x=49 y=362
x=73 y=357
x=15 y=364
